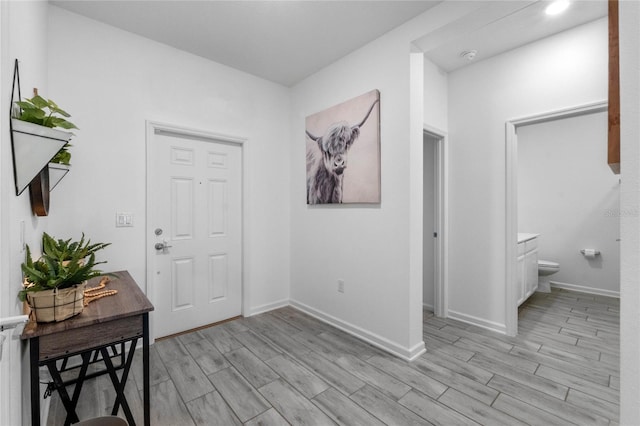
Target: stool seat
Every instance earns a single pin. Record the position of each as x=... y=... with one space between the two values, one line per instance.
x=103 y=421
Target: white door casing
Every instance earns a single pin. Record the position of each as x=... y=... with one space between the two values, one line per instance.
x=511 y=198
x=441 y=226
x=195 y=212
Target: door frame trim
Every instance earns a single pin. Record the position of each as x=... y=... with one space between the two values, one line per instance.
x=441 y=261
x=156 y=127
x=511 y=198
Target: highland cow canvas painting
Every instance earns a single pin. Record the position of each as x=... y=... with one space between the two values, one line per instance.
x=343 y=152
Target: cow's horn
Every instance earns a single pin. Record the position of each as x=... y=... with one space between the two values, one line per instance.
x=315 y=138
x=368 y=113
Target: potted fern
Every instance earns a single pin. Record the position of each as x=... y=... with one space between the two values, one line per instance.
x=54 y=284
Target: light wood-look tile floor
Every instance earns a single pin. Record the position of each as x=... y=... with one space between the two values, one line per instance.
x=285 y=367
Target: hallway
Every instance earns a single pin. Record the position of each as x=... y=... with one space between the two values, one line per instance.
x=284 y=367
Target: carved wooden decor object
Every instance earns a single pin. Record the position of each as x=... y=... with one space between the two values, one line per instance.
x=613 y=151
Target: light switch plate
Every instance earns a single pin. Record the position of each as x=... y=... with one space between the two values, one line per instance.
x=124 y=219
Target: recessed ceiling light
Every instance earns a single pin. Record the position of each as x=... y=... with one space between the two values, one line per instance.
x=557 y=7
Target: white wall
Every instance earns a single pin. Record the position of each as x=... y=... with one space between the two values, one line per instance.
x=26 y=40
x=630 y=221
x=111 y=81
x=540 y=77
x=569 y=195
x=23 y=32
x=436 y=102
x=368 y=246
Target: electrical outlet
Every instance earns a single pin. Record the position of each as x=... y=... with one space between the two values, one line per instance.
x=340 y=286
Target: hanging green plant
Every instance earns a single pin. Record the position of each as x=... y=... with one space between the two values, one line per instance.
x=47 y=113
x=44 y=112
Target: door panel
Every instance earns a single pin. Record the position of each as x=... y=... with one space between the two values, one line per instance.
x=196 y=202
x=218 y=277
x=181 y=208
x=218 y=208
x=182 y=284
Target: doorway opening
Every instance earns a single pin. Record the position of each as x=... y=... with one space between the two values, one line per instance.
x=435 y=219
x=511 y=214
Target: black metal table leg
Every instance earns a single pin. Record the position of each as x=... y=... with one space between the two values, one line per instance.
x=145 y=368
x=118 y=386
x=86 y=360
x=126 y=364
x=34 y=354
x=69 y=403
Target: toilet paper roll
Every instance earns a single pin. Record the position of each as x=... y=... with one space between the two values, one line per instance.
x=590 y=253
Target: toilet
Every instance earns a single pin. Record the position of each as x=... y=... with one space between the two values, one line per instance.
x=546 y=268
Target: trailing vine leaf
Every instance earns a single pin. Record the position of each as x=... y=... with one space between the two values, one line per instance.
x=39 y=102
x=61 y=122
x=44 y=112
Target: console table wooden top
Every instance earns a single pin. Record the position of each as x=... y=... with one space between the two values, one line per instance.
x=128 y=302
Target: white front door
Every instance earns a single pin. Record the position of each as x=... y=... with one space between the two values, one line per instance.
x=196 y=215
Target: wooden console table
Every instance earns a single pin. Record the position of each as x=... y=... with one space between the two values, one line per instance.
x=104 y=324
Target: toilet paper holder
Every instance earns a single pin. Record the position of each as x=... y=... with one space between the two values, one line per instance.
x=590 y=252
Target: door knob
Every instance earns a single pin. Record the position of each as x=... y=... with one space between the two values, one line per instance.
x=162 y=246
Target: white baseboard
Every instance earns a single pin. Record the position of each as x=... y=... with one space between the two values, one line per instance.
x=583 y=289
x=383 y=343
x=428 y=306
x=255 y=310
x=478 y=322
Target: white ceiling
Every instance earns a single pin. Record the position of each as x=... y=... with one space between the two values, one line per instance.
x=499 y=26
x=281 y=41
x=286 y=41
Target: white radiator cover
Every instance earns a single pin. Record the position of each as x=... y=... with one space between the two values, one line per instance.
x=10 y=379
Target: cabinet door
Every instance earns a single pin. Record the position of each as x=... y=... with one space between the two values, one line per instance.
x=521 y=283
x=531 y=272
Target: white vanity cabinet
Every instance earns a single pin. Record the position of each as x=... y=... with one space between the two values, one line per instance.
x=527 y=282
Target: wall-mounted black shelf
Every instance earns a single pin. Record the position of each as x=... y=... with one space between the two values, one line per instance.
x=33 y=146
